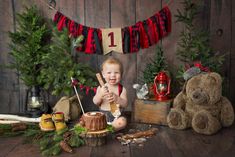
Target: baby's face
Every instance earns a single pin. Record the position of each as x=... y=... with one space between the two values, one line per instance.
x=112 y=73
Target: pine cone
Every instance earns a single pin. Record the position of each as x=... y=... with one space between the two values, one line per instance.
x=37 y=137
x=18 y=127
x=67 y=136
x=65 y=147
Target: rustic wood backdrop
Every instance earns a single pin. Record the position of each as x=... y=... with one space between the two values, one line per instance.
x=218 y=16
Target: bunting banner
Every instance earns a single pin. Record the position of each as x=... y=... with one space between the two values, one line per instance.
x=129 y=39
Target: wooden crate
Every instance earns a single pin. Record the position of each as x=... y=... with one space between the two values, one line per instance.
x=151 y=111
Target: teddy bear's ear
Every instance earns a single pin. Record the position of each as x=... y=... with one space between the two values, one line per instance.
x=184 y=87
x=216 y=77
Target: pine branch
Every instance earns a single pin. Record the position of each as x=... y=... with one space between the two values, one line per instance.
x=155 y=65
x=60 y=66
x=28 y=44
x=194 y=43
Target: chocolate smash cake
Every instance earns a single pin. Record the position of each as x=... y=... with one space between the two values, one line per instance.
x=93 y=121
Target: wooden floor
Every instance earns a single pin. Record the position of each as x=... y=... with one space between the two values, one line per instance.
x=166 y=143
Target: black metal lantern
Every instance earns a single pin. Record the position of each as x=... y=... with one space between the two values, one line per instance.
x=36 y=103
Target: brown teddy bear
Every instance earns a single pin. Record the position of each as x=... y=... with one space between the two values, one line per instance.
x=201 y=105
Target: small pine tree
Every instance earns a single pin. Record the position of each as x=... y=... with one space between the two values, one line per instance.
x=157 y=64
x=194 y=43
x=60 y=66
x=28 y=45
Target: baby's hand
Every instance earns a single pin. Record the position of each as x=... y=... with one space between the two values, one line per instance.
x=112 y=97
x=104 y=91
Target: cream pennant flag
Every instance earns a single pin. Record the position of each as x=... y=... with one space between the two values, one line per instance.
x=112 y=40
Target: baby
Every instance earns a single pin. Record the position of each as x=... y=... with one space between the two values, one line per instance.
x=112 y=93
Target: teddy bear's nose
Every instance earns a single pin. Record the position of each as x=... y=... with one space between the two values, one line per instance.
x=195 y=96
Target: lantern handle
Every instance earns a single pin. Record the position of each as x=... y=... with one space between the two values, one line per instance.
x=156 y=85
x=168 y=88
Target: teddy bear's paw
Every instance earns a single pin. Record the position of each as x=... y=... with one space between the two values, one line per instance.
x=204 y=123
x=177 y=119
x=200 y=121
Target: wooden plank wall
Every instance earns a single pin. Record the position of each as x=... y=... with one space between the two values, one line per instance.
x=232 y=54
x=221 y=38
x=9 y=84
x=216 y=15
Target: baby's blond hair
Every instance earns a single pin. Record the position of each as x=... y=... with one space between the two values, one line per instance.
x=112 y=60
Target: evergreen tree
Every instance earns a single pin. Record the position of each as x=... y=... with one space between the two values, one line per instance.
x=28 y=44
x=194 y=43
x=157 y=64
x=61 y=65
